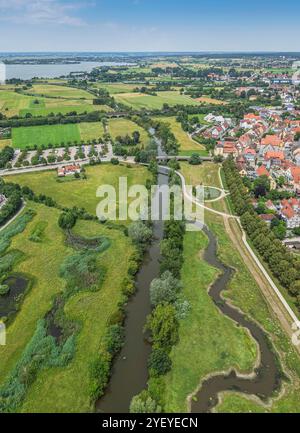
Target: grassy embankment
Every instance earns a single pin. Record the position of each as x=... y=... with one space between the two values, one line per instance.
x=243 y=291
x=187 y=145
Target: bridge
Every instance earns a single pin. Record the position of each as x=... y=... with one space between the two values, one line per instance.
x=181 y=158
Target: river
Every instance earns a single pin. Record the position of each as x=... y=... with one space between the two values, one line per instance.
x=130 y=373
x=266 y=377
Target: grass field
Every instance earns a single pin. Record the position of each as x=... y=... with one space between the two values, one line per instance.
x=63 y=109
x=117 y=127
x=81 y=193
x=67 y=389
x=204 y=174
x=11 y=102
x=59 y=92
x=55 y=134
x=60 y=99
x=211 y=341
x=41 y=261
x=139 y=100
x=90 y=130
x=46 y=134
x=208 y=100
x=115 y=88
x=187 y=144
x=63 y=389
x=243 y=292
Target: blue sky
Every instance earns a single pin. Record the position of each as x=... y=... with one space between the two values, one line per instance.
x=149 y=25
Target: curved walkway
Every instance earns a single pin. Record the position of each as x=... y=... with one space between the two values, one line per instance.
x=286 y=307
x=13 y=218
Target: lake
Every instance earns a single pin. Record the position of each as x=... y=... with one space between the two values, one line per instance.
x=27 y=72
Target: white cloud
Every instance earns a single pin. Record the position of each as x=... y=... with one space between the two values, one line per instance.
x=41 y=11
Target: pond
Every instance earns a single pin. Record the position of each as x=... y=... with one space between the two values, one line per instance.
x=10 y=301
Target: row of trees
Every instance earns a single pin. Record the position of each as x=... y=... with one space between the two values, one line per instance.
x=16 y=121
x=283 y=265
x=14 y=200
x=6 y=155
x=163 y=323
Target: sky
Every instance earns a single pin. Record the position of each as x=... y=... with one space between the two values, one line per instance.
x=149 y=25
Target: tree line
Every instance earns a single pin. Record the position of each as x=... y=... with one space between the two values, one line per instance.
x=284 y=266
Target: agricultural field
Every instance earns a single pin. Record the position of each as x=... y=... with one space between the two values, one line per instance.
x=115 y=88
x=121 y=127
x=81 y=193
x=57 y=107
x=212 y=101
x=187 y=144
x=55 y=91
x=140 y=100
x=19 y=104
x=55 y=134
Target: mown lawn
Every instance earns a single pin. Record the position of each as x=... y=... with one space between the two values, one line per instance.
x=204 y=174
x=140 y=100
x=41 y=261
x=45 y=134
x=55 y=134
x=81 y=193
x=209 y=342
x=67 y=389
x=90 y=130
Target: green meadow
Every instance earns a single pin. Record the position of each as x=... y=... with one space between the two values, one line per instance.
x=81 y=193
x=55 y=134
x=140 y=100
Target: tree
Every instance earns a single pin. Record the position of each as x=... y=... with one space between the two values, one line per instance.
x=195 y=159
x=136 y=137
x=159 y=362
x=139 y=232
x=67 y=220
x=144 y=403
x=261 y=186
x=163 y=325
x=164 y=289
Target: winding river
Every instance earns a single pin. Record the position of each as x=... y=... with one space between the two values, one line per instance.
x=266 y=377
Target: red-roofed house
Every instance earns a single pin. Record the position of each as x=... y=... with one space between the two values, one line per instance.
x=272 y=140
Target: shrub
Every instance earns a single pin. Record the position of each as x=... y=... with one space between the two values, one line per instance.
x=4 y=289
x=159 y=362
